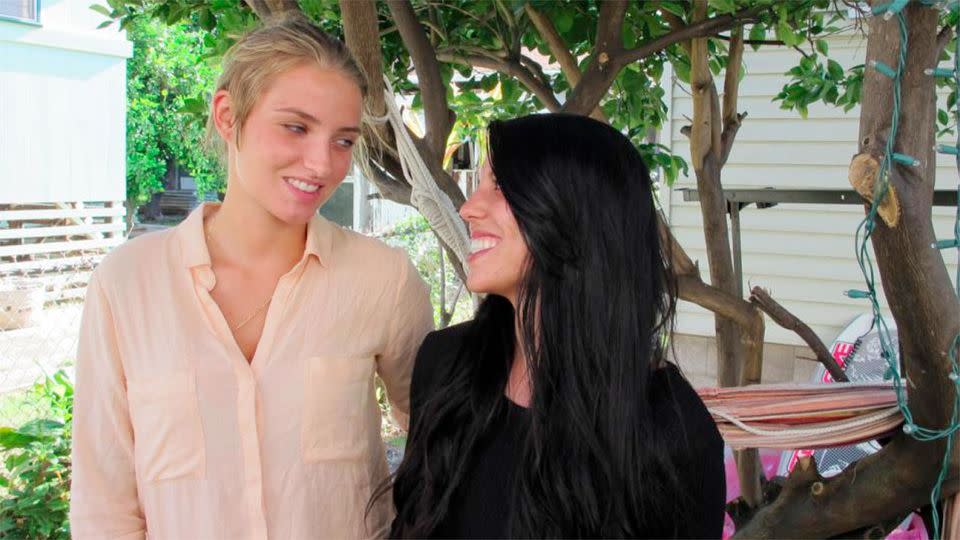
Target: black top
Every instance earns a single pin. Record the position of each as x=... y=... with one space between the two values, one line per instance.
x=482 y=507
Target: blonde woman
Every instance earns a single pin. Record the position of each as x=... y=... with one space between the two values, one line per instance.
x=226 y=366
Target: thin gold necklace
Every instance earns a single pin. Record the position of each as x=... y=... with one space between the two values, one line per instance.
x=253 y=315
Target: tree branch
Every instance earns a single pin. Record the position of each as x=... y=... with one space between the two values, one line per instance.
x=704 y=28
x=731 y=80
x=676 y=24
x=921 y=298
x=776 y=42
x=281 y=6
x=389 y=187
x=560 y=51
x=602 y=70
x=259 y=7
x=731 y=92
x=361 y=34
x=536 y=69
x=439 y=118
x=680 y=263
x=943 y=38
x=728 y=135
x=788 y=320
x=507 y=67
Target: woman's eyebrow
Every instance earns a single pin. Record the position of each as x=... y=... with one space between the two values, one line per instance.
x=306 y=116
x=313 y=119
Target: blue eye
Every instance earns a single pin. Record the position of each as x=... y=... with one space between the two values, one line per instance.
x=346 y=143
x=295 y=128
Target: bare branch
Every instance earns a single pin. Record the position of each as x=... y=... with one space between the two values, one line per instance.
x=731 y=82
x=439 y=118
x=507 y=67
x=788 y=320
x=706 y=129
x=731 y=92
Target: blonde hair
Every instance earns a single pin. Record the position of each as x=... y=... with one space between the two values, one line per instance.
x=281 y=43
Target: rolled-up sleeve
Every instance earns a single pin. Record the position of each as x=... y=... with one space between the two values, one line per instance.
x=104 y=499
x=411 y=321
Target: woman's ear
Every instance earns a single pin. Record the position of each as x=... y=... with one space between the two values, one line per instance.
x=223 y=116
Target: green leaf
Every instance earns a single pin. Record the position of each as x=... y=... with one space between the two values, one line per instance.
x=787 y=35
x=943 y=117
x=207 y=20
x=683 y=72
x=757 y=33
x=103 y=10
x=41 y=428
x=835 y=70
x=563 y=21
x=723 y=6
x=104 y=24
x=822 y=47
x=11 y=438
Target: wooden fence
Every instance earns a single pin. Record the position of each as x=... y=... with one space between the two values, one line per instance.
x=58 y=244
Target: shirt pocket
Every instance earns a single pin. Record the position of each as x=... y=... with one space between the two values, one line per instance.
x=168 y=436
x=338 y=394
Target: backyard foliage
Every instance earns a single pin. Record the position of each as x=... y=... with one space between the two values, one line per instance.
x=450 y=298
x=613 y=57
x=35 y=472
x=167 y=84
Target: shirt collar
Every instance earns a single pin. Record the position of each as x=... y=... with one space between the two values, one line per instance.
x=193 y=241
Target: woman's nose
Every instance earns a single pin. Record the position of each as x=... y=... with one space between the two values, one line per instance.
x=472 y=208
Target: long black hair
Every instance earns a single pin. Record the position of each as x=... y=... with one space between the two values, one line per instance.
x=595 y=306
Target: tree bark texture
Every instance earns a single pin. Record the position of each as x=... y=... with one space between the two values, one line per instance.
x=898 y=478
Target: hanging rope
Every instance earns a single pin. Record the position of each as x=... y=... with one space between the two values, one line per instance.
x=426 y=196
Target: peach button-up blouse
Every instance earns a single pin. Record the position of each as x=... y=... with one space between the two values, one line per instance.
x=177 y=436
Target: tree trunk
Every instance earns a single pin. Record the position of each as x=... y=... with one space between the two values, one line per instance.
x=899 y=478
x=707 y=153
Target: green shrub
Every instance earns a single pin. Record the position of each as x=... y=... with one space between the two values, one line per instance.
x=35 y=477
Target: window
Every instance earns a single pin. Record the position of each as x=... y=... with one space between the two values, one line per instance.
x=20 y=10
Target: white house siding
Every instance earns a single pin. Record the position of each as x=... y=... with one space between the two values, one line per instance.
x=62 y=107
x=62 y=180
x=804 y=254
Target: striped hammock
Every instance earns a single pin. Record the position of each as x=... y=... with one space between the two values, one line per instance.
x=789 y=416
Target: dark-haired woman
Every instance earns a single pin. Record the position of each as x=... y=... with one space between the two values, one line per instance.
x=554 y=413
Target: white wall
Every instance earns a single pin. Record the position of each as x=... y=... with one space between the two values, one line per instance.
x=804 y=254
x=62 y=107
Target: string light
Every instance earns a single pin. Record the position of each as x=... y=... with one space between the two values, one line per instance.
x=867 y=226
